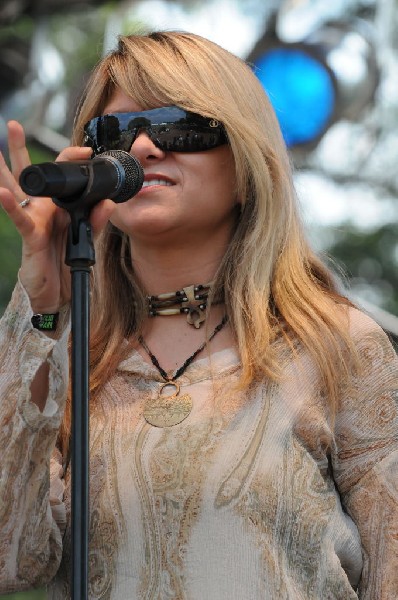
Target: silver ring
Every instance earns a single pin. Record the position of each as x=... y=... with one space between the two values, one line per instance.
x=24 y=202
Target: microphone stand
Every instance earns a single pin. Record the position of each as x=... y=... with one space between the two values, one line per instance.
x=123 y=181
x=80 y=256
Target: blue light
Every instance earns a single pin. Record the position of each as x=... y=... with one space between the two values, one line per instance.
x=301 y=91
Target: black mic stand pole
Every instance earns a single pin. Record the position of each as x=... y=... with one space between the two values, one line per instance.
x=80 y=256
x=126 y=179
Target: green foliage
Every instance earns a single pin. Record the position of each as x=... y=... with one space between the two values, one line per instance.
x=22 y=28
x=371 y=262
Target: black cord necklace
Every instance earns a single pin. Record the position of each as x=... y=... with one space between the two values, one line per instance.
x=166 y=411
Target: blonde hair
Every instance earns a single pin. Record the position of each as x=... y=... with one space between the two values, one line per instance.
x=274 y=285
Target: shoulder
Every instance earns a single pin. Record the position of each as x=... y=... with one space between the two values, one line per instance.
x=361 y=321
x=365 y=330
x=376 y=370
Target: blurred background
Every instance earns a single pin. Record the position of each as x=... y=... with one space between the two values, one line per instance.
x=331 y=72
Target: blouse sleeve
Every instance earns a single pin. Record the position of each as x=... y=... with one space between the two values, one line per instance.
x=31 y=515
x=365 y=460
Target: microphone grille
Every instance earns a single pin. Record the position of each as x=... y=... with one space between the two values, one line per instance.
x=131 y=174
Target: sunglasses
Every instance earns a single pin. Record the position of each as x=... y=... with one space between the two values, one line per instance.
x=170 y=128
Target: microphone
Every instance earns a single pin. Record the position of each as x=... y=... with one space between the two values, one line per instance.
x=113 y=174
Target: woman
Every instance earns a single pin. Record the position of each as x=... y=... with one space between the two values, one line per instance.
x=257 y=456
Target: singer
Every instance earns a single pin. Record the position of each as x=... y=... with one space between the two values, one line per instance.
x=244 y=416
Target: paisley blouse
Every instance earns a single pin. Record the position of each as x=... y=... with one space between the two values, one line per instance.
x=256 y=495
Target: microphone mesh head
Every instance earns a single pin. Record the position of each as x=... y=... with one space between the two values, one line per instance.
x=130 y=171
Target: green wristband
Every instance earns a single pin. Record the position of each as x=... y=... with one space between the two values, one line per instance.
x=45 y=322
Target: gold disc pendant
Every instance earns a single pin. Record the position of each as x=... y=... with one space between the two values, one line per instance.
x=166 y=411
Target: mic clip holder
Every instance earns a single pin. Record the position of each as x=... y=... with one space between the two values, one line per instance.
x=80 y=251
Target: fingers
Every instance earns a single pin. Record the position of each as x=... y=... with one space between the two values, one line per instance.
x=20 y=216
x=101 y=214
x=10 y=196
x=7 y=179
x=74 y=153
x=11 y=193
x=19 y=155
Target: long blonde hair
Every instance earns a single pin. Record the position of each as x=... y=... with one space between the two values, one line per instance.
x=274 y=285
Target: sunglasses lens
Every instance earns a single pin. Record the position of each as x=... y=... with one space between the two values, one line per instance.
x=170 y=128
x=187 y=139
x=105 y=133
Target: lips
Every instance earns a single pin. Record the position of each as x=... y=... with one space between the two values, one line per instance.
x=152 y=180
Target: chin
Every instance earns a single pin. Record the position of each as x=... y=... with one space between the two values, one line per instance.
x=148 y=227
x=137 y=216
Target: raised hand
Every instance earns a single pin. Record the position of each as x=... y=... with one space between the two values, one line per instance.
x=42 y=226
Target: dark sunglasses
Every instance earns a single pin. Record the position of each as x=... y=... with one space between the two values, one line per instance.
x=170 y=128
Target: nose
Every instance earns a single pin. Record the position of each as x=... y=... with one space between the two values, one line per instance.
x=144 y=149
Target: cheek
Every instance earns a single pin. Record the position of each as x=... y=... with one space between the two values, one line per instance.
x=217 y=178
x=226 y=184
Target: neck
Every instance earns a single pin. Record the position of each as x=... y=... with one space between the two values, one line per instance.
x=161 y=271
